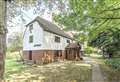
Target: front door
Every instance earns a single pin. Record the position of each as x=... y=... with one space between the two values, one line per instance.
x=30 y=55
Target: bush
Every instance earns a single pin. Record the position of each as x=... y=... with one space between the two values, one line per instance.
x=115 y=63
x=88 y=50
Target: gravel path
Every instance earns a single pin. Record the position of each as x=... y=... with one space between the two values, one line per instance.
x=96 y=71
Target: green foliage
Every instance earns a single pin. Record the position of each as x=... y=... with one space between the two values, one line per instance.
x=89 y=16
x=115 y=63
x=108 y=40
x=11 y=65
x=110 y=74
x=15 y=42
x=88 y=50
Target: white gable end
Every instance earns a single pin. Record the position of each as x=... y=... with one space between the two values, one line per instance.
x=37 y=33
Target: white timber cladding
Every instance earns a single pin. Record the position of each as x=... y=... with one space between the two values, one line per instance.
x=43 y=40
x=37 y=33
x=50 y=44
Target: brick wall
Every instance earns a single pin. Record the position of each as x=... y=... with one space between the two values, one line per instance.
x=37 y=55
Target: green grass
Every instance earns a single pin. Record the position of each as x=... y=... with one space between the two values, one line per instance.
x=11 y=65
x=66 y=71
x=71 y=73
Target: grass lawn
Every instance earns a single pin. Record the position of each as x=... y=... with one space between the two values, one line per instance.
x=12 y=66
x=66 y=71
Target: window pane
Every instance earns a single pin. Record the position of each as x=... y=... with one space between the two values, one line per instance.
x=68 y=41
x=31 y=28
x=57 y=39
x=31 y=39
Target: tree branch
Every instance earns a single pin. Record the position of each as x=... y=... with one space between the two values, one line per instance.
x=104 y=17
x=110 y=9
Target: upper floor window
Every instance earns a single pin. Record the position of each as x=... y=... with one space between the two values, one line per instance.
x=31 y=28
x=68 y=41
x=57 y=39
x=31 y=39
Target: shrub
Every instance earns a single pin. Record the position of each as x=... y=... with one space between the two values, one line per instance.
x=88 y=50
x=115 y=63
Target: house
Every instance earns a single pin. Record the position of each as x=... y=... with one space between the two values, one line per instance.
x=44 y=40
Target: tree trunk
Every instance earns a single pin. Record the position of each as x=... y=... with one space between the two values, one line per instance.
x=2 y=36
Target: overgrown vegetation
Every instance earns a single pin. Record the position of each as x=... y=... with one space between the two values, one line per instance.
x=108 y=41
x=115 y=63
x=110 y=74
x=111 y=69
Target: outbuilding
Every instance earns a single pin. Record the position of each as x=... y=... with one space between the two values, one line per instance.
x=73 y=51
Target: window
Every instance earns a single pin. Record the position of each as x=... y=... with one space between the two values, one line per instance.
x=37 y=45
x=31 y=39
x=31 y=28
x=57 y=39
x=68 y=41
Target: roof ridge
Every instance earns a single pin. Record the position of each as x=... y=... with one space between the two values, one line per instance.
x=50 y=27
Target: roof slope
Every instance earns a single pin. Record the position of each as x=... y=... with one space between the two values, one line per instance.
x=73 y=45
x=50 y=27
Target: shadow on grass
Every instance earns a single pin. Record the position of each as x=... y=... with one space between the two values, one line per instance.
x=66 y=71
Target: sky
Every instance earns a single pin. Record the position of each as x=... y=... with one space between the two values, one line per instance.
x=19 y=26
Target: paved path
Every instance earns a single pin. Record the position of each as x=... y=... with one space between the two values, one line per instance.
x=96 y=72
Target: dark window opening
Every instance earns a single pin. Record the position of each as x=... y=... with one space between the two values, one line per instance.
x=30 y=55
x=31 y=39
x=57 y=39
x=31 y=28
x=58 y=53
x=68 y=41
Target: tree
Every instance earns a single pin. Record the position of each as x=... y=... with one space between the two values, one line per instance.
x=13 y=41
x=16 y=7
x=3 y=31
x=108 y=41
x=81 y=13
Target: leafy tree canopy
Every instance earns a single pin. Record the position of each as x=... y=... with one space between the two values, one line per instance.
x=90 y=15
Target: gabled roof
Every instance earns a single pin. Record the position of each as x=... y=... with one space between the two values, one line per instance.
x=50 y=27
x=73 y=45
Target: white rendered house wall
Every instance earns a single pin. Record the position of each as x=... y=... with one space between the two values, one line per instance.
x=50 y=44
x=43 y=40
x=37 y=33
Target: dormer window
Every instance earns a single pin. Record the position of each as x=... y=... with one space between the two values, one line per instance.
x=31 y=28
